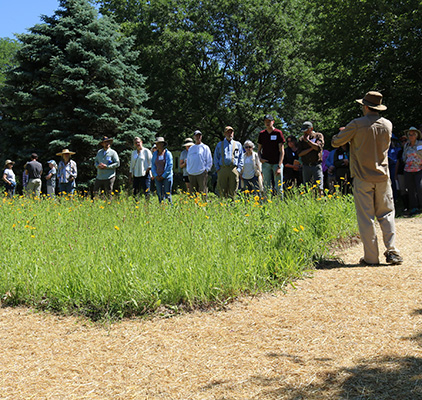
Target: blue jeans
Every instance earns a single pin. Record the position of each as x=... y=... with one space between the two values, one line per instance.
x=269 y=173
x=164 y=189
x=251 y=184
x=68 y=187
x=143 y=182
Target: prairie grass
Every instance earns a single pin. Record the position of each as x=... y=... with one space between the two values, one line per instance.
x=127 y=257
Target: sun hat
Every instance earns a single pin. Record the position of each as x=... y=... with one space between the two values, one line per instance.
x=412 y=128
x=65 y=151
x=373 y=100
x=269 y=117
x=9 y=162
x=160 y=139
x=228 y=128
x=106 y=139
x=188 y=142
x=306 y=125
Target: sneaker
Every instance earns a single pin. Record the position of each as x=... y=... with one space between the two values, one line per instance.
x=363 y=262
x=393 y=258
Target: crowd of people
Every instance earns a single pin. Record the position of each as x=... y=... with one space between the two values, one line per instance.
x=277 y=164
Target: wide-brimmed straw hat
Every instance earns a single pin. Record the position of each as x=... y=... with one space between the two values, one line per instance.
x=418 y=132
x=160 y=139
x=9 y=162
x=188 y=142
x=374 y=100
x=65 y=151
x=106 y=139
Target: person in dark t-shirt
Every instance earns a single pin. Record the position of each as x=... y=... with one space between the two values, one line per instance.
x=33 y=169
x=271 y=153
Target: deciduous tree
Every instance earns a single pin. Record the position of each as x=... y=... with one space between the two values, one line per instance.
x=220 y=62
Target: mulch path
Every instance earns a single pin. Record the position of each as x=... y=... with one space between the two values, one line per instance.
x=347 y=332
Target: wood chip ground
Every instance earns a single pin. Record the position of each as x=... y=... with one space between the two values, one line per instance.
x=347 y=332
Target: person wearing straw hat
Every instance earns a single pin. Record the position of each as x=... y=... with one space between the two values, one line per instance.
x=369 y=137
x=412 y=158
x=9 y=178
x=187 y=144
x=199 y=165
x=140 y=168
x=51 y=178
x=67 y=172
x=107 y=161
x=228 y=161
x=34 y=171
x=162 y=170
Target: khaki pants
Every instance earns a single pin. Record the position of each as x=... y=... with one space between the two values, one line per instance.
x=375 y=199
x=34 y=187
x=199 y=183
x=227 y=181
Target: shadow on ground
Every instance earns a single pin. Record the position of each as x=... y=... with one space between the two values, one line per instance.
x=388 y=378
x=377 y=378
x=338 y=263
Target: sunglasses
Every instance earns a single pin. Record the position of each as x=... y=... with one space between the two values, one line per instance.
x=248 y=147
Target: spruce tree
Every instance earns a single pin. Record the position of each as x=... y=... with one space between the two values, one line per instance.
x=76 y=81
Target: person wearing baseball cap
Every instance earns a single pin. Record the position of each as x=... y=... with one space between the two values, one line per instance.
x=228 y=162
x=310 y=147
x=271 y=154
x=369 y=137
x=199 y=164
x=187 y=144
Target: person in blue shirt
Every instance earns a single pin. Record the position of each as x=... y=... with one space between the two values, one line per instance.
x=331 y=171
x=162 y=170
x=106 y=162
x=228 y=162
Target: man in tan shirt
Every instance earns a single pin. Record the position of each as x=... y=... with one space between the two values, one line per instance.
x=369 y=138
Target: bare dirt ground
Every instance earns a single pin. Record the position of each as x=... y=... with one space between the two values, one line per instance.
x=349 y=332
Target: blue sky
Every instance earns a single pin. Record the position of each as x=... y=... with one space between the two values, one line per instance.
x=18 y=15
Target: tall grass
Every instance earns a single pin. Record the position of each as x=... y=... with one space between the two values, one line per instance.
x=123 y=258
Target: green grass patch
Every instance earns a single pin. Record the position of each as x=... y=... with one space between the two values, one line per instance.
x=127 y=258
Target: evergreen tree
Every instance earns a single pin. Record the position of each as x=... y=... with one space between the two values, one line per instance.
x=76 y=81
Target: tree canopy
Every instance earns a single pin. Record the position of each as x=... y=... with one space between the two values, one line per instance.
x=76 y=80
x=8 y=49
x=364 y=45
x=222 y=62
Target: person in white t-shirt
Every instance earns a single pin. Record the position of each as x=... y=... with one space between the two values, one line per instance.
x=251 y=173
x=140 y=168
